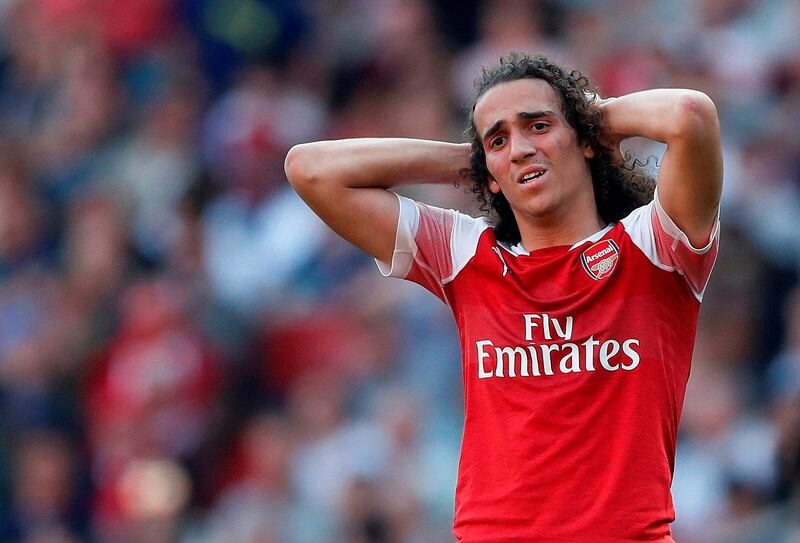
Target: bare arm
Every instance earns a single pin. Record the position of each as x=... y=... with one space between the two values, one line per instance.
x=690 y=176
x=345 y=182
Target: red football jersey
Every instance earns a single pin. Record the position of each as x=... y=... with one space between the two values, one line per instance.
x=575 y=361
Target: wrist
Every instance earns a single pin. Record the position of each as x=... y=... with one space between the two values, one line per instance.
x=610 y=123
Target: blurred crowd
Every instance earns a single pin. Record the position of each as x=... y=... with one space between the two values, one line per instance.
x=188 y=355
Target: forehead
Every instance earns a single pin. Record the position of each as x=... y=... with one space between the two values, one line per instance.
x=506 y=100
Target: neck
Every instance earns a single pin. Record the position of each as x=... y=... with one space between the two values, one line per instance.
x=549 y=231
x=541 y=237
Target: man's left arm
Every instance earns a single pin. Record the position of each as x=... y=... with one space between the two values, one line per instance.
x=690 y=175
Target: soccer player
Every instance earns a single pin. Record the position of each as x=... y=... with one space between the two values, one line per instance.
x=576 y=300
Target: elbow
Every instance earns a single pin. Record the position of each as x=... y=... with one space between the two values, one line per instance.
x=695 y=116
x=299 y=166
x=304 y=165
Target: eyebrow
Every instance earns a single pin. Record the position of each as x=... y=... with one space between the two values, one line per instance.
x=536 y=114
x=527 y=115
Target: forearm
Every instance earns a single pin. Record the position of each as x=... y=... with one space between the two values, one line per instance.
x=665 y=115
x=343 y=182
x=380 y=163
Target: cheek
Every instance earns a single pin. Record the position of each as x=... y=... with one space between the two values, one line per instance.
x=569 y=151
x=492 y=165
x=564 y=143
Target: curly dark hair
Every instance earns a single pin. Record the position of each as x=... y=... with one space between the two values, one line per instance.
x=618 y=189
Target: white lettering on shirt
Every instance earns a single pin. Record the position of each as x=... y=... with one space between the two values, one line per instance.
x=537 y=358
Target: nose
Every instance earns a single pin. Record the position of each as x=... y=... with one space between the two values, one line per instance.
x=521 y=148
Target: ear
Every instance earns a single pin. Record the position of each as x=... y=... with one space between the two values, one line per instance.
x=588 y=152
x=494 y=186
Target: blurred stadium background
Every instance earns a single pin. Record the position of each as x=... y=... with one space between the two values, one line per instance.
x=188 y=355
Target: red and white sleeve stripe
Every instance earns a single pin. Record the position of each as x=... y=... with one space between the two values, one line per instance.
x=432 y=244
x=668 y=247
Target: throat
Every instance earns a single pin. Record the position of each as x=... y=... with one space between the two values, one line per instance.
x=542 y=235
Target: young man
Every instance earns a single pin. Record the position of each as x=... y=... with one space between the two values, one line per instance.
x=576 y=305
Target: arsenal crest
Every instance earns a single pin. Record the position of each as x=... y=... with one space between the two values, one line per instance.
x=600 y=259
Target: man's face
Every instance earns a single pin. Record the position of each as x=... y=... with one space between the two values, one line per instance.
x=532 y=154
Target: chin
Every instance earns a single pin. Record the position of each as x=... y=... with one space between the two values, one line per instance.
x=537 y=210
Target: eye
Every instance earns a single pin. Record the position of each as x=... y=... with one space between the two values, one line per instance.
x=498 y=142
x=539 y=126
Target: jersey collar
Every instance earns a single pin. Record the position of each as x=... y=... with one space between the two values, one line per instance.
x=518 y=250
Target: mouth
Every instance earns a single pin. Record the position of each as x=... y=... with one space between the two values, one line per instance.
x=532 y=176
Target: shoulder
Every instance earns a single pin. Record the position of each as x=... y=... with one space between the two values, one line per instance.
x=667 y=247
x=434 y=237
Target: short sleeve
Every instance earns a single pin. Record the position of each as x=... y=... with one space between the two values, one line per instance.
x=669 y=248
x=432 y=245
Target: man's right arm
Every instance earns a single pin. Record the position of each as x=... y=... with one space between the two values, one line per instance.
x=345 y=182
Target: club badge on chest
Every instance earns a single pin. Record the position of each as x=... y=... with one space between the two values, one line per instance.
x=600 y=259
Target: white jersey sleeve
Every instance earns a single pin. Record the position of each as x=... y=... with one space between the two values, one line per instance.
x=432 y=245
x=667 y=247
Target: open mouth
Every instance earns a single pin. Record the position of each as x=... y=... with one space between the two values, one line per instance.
x=532 y=176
